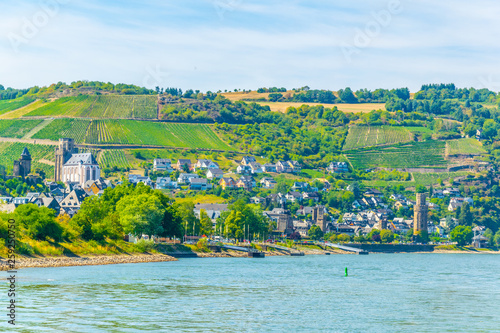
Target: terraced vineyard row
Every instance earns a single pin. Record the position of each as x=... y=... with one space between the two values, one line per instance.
x=412 y=155
x=101 y=106
x=369 y=136
x=16 y=128
x=133 y=132
x=466 y=146
x=113 y=157
x=11 y=151
x=64 y=128
x=14 y=104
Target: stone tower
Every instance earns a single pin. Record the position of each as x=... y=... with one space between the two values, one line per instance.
x=63 y=153
x=22 y=167
x=319 y=217
x=420 y=213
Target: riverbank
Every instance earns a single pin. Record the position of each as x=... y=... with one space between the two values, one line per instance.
x=28 y=262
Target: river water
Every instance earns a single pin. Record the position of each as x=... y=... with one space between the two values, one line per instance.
x=383 y=293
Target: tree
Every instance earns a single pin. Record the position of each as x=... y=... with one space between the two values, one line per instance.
x=347 y=96
x=462 y=235
x=374 y=235
x=496 y=238
x=39 y=222
x=315 y=232
x=206 y=223
x=465 y=217
x=141 y=214
x=420 y=189
x=489 y=234
x=233 y=226
x=387 y=236
x=190 y=223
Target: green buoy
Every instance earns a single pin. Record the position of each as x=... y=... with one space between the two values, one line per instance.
x=346 y=272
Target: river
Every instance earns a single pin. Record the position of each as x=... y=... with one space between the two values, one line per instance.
x=382 y=293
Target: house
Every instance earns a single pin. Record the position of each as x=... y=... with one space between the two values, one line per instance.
x=438 y=194
x=458 y=202
x=48 y=202
x=277 y=198
x=479 y=240
x=244 y=169
x=294 y=197
x=446 y=221
x=135 y=179
x=311 y=196
x=183 y=164
x=227 y=183
x=185 y=178
x=97 y=187
x=373 y=193
x=283 y=167
x=215 y=174
x=206 y=164
x=246 y=182
x=452 y=192
x=300 y=186
x=20 y=201
x=73 y=200
x=259 y=201
x=246 y=160
x=268 y=183
x=295 y=166
x=338 y=167
x=213 y=211
x=304 y=211
x=165 y=183
x=268 y=167
x=256 y=167
x=198 y=184
x=162 y=165
x=302 y=227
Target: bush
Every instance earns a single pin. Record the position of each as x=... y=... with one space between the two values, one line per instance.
x=144 y=246
x=202 y=244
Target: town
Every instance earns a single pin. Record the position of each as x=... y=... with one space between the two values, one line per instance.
x=329 y=209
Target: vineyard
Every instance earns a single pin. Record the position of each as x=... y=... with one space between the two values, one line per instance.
x=64 y=128
x=133 y=132
x=100 y=106
x=113 y=157
x=411 y=155
x=369 y=136
x=10 y=105
x=15 y=128
x=464 y=147
x=11 y=151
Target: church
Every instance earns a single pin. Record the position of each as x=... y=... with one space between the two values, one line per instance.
x=72 y=166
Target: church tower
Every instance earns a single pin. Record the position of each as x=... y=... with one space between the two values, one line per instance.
x=420 y=213
x=22 y=167
x=318 y=217
x=63 y=153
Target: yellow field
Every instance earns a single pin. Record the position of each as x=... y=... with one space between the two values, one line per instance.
x=349 y=108
x=24 y=110
x=238 y=96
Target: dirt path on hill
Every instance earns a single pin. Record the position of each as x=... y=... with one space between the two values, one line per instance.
x=32 y=141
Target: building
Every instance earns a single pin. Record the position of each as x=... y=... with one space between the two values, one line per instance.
x=184 y=164
x=246 y=182
x=268 y=167
x=227 y=183
x=162 y=165
x=22 y=167
x=136 y=179
x=283 y=219
x=318 y=217
x=246 y=160
x=185 y=178
x=206 y=164
x=72 y=202
x=338 y=167
x=215 y=174
x=165 y=183
x=80 y=168
x=268 y=183
x=213 y=211
x=420 y=216
x=198 y=184
x=63 y=153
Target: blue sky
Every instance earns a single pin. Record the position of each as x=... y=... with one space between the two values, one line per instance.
x=228 y=44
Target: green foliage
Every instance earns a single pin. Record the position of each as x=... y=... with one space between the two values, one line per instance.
x=100 y=106
x=315 y=232
x=17 y=128
x=413 y=155
x=143 y=245
x=387 y=236
x=39 y=222
x=462 y=235
x=368 y=136
x=9 y=105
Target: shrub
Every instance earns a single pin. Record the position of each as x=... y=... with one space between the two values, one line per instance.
x=144 y=246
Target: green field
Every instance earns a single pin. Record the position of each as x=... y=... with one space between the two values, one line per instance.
x=64 y=128
x=467 y=146
x=10 y=151
x=133 y=132
x=113 y=157
x=13 y=104
x=16 y=128
x=101 y=106
x=411 y=155
x=369 y=136
x=425 y=179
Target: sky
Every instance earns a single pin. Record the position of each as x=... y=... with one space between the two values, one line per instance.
x=242 y=44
